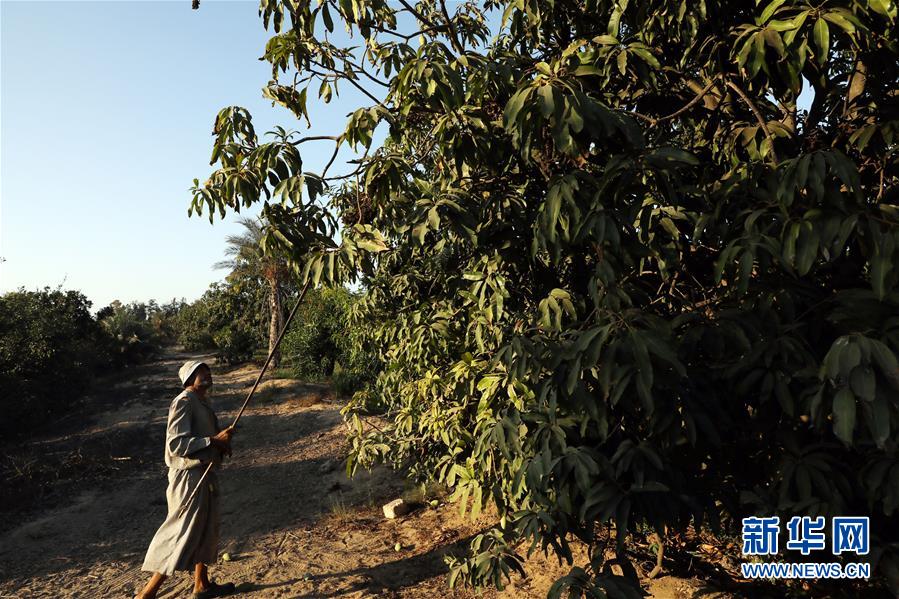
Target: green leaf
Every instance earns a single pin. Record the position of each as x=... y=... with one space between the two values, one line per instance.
x=822 y=40
x=861 y=136
x=879 y=268
x=553 y=208
x=886 y=361
x=326 y=16
x=861 y=381
x=514 y=106
x=622 y=62
x=782 y=26
x=745 y=50
x=574 y=375
x=373 y=243
x=606 y=40
x=670 y=227
x=840 y=21
x=547 y=104
x=887 y=8
x=641 y=355
x=769 y=11
x=772 y=38
x=757 y=56
x=789 y=244
x=669 y=156
x=419 y=231
x=879 y=421
x=489 y=382
x=830 y=366
x=844 y=415
x=433 y=218
x=646 y=56
x=587 y=70
x=807 y=248
x=850 y=357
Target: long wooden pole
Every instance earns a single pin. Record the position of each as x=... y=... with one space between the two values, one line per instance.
x=252 y=391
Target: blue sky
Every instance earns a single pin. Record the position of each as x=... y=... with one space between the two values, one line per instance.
x=106 y=114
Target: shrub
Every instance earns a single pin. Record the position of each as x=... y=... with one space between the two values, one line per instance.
x=320 y=342
x=225 y=315
x=194 y=331
x=346 y=382
x=132 y=336
x=235 y=343
x=50 y=349
x=310 y=346
x=164 y=319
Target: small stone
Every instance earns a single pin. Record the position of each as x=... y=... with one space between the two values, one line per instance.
x=397 y=547
x=226 y=557
x=395 y=508
x=434 y=503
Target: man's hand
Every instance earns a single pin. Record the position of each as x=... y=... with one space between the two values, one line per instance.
x=222 y=441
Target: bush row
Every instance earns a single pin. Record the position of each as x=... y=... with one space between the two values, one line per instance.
x=321 y=343
x=52 y=347
x=233 y=321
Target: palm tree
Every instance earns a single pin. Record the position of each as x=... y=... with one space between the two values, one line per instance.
x=248 y=261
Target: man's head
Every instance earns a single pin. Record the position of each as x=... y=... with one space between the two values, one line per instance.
x=195 y=375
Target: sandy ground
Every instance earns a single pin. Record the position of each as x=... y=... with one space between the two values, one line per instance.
x=292 y=521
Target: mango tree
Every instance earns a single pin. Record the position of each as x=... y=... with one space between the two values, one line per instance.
x=616 y=271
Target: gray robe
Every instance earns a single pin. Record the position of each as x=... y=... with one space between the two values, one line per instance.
x=183 y=541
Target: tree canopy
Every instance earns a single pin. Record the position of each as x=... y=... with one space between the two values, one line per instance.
x=615 y=272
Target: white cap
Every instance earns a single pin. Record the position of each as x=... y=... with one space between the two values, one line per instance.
x=188 y=369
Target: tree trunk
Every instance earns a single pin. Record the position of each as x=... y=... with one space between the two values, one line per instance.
x=856 y=88
x=276 y=321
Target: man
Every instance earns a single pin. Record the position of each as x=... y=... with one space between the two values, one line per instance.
x=189 y=540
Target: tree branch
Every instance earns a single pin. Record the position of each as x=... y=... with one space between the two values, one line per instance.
x=366 y=92
x=370 y=76
x=346 y=78
x=454 y=38
x=348 y=175
x=418 y=15
x=789 y=115
x=346 y=57
x=315 y=138
x=402 y=35
x=816 y=111
x=689 y=104
x=333 y=156
x=855 y=87
x=699 y=96
x=758 y=116
x=648 y=119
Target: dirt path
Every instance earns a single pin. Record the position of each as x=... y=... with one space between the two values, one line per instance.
x=294 y=524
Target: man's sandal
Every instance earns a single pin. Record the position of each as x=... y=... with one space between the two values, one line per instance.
x=215 y=590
